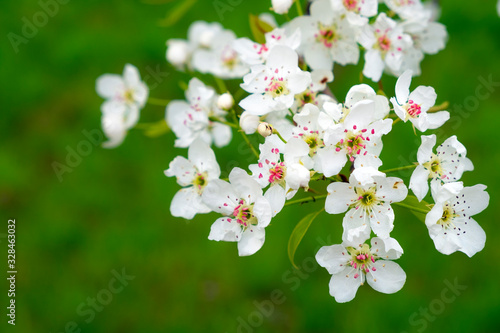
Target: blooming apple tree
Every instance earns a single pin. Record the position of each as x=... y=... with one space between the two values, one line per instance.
x=308 y=136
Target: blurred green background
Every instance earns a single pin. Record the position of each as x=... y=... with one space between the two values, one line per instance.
x=112 y=211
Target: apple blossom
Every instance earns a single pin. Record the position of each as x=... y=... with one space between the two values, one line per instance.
x=327 y=37
x=246 y=212
x=447 y=165
x=414 y=106
x=274 y=85
x=193 y=119
x=367 y=199
x=450 y=224
x=385 y=43
x=353 y=263
x=125 y=96
x=193 y=174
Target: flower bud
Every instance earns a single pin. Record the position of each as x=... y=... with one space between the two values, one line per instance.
x=207 y=37
x=225 y=101
x=265 y=129
x=177 y=52
x=281 y=6
x=249 y=122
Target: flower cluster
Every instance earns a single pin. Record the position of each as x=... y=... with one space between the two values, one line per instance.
x=308 y=136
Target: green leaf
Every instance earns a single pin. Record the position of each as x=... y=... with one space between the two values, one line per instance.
x=419 y=209
x=259 y=29
x=177 y=13
x=298 y=233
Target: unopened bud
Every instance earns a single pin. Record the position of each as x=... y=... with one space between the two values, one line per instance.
x=281 y=6
x=177 y=52
x=265 y=129
x=249 y=122
x=225 y=101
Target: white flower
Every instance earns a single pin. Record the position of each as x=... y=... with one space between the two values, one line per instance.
x=319 y=80
x=125 y=96
x=327 y=37
x=450 y=224
x=358 y=135
x=385 y=44
x=447 y=165
x=311 y=124
x=366 y=198
x=428 y=37
x=201 y=34
x=274 y=85
x=357 y=11
x=285 y=175
x=253 y=53
x=246 y=212
x=191 y=120
x=281 y=6
x=414 y=106
x=193 y=174
x=352 y=263
x=178 y=52
x=409 y=9
x=219 y=58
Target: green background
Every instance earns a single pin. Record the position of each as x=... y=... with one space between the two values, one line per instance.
x=112 y=211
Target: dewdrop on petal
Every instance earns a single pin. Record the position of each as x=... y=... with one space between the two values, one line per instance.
x=225 y=101
x=281 y=6
x=265 y=129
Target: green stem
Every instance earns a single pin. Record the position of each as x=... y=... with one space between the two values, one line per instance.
x=395 y=121
x=221 y=84
x=245 y=137
x=279 y=135
x=306 y=200
x=158 y=101
x=411 y=207
x=441 y=107
x=400 y=168
x=299 y=8
x=216 y=120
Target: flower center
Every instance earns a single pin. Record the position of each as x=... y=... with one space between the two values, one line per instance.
x=262 y=49
x=277 y=173
x=434 y=167
x=351 y=5
x=307 y=97
x=384 y=43
x=446 y=220
x=313 y=141
x=243 y=213
x=200 y=182
x=326 y=35
x=361 y=259
x=128 y=96
x=277 y=87
x=229 y=57
x=366 y=198
x=413 y=109
x=354 y=143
